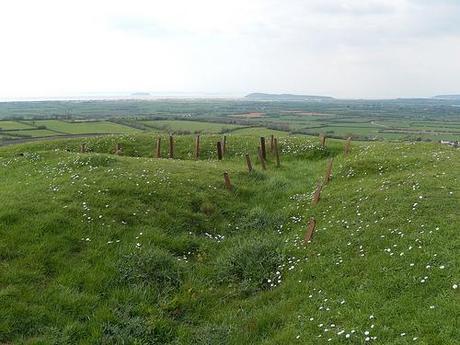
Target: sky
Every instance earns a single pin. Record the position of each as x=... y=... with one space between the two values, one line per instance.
x=340 y=48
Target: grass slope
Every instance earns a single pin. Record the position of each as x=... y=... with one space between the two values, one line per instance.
x=98 y=248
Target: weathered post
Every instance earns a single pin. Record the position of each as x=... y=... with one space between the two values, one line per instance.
x=158 y=155
x=118 y=149
x=262 y=147
x=346 y=149
x=228 y=185
x=83 y=148
x=277 y=155
x=197 y=147
x=261 y=158
x=219 y=150
x=224 y=148
x=317 y=194
x=171 y=146
x=272 y=143
x=248 y=162
x=322 y=140
x=327 y=176
x=310 y=230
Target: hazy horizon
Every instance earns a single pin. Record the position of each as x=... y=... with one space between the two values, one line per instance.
x=347 y=49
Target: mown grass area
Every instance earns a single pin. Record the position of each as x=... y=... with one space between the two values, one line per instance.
x=103 y=249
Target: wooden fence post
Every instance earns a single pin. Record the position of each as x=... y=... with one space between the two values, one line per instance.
x=317 y=194
x=347 y=147
x=248 y=162
x=327 y=177
x=310 y=230
x=272 y=143
x=83 y=148
x=224 y=148
x=262 y=147
x=171 y=146
x=228 y=185
x=118 y=149
x=219 y=150
x=277 y=155
x=322 y=140
x=197 y=147
x=158 y=155
x=261 y=158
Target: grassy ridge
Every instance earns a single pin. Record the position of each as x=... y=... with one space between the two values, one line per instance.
x=98 y=248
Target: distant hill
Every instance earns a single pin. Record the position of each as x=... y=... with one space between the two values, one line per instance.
x=140 y=94
x=285 y=97
x=453 y=97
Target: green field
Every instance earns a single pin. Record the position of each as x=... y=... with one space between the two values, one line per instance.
x=13 y=125
x=97 y=248
x=403 y=119
x=96 y=127
x=190 y=126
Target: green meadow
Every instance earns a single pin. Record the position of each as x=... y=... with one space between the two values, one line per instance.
x=98 y=248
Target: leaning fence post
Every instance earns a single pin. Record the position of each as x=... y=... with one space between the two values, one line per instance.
x=248 y=162
x=327 y=177
x=171 y=146
x=262 y=147
x=158 y=155
x=219 y=150
x=228 y=185
x=347 y=147
x=197 y=147
x=310 y=230
x=261 y=158
x=317 y=194
x=277 y=155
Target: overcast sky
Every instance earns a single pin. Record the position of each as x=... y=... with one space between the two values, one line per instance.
x=342 y=48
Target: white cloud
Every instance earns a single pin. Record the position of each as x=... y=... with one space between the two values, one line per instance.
x=345 y=48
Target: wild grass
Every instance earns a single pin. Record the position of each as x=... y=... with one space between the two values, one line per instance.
x=104 y=249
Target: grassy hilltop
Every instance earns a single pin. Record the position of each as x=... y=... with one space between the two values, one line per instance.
x=97 y=248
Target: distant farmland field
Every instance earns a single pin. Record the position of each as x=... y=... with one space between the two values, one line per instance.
x=87 y=127
x=405 y=120
x=192 y=126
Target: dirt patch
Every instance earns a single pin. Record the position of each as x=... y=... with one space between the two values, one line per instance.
x=249 y=115
x=305 y=113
